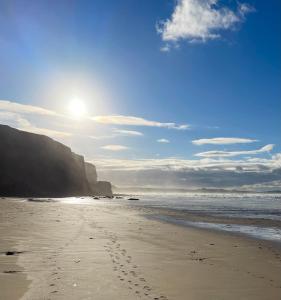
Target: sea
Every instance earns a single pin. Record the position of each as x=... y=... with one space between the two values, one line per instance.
x=254 y=206
x=263 y=207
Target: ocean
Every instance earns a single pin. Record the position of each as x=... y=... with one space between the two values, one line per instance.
x=261 y=212
x=259 y=207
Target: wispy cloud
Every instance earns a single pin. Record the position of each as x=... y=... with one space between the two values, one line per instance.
x=127 y=132
x=200 y=20
x=136 y=121
x=165 y=48
x=222 y=141
x=264 y=149
x=118 y=133
x=18 y=121
x=16 y=115
x=25 y=109
x=163 y=141
x=115 y=147
x=46 y=131
x=13 y=119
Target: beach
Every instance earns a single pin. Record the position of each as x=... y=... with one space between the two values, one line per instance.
x=105 y=249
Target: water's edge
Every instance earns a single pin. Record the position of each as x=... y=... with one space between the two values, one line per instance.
x=272 y=234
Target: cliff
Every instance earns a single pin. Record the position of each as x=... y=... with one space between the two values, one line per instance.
x=98 y=188
x=36 y=165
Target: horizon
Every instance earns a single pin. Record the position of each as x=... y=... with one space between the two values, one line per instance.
x=151 y=93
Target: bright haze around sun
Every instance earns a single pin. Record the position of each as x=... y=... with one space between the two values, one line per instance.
x=77 y=108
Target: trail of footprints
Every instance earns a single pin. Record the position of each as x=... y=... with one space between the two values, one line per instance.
x=55 y=275
x=127 y=272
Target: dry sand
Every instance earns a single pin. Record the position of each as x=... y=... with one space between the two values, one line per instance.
x=110 y=251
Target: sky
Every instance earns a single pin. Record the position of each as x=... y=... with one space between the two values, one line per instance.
x=177 y=92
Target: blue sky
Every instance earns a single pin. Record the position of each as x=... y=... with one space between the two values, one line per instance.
x=217 y=71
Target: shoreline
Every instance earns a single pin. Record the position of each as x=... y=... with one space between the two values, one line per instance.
x=218 y=224
x=107 y=250
x=218 y=231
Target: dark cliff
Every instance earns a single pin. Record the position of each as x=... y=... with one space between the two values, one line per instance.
x=36 y=165
x=98 y=188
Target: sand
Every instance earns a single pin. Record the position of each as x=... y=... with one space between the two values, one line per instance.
x=108 y=251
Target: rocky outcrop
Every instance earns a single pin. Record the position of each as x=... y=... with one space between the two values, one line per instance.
x=36 y=165
x=102 y=188
x=97 y=188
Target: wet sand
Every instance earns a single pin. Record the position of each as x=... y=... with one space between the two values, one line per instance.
x=111 y=251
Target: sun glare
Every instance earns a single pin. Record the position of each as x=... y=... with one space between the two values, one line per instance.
x=77 y=108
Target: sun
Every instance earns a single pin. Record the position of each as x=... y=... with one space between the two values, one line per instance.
x=77 y=108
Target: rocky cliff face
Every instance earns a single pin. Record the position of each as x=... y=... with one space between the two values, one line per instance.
x=91 y=173
x=36 y=165
x=98 y=188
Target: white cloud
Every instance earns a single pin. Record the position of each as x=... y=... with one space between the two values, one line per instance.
x=245 y=8
x=14 y=114
x=136 y=121
x=165 y=48
x=178 y=164
x=13 y=119
x=117 y=133
x=46 y=131
x=114 y=147
x=163 y=141
x=25 y=109
x=181 y=127
x=222 y=141
x=16 y=120
x=176 y=172
x=200 y=20
x=127 y=132
x=264 y=149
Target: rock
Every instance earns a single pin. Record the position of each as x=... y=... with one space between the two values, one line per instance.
x=11 y=272
x=9 y=253
x=102 y=188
